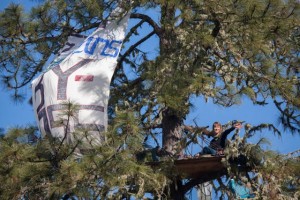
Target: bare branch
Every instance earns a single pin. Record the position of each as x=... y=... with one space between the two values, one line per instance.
x=148 y=19
x=128 y=52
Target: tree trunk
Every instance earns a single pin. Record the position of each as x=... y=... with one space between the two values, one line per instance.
x=171 y=129
x=171 y=120
x=171 y=123
x=176 y=192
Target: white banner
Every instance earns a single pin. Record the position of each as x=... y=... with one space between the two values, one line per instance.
x=82 y=77
x=73 y=43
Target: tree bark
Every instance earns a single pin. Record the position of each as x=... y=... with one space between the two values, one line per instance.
x=171 y=120
x=176 y=192
x=171 y=129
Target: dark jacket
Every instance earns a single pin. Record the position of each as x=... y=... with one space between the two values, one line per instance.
x=219 y=141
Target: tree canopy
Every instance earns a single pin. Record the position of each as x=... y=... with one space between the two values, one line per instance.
x=222 y=50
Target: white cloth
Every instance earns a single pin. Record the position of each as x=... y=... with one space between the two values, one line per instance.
x=81 y=74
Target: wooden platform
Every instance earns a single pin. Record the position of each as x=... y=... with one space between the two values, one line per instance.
x=201 y=167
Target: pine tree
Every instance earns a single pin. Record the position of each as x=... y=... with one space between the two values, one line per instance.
x=221 y=50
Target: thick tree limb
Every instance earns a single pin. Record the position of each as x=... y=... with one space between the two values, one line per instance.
x=204 y=178
x=132 y=47
x=148 y=19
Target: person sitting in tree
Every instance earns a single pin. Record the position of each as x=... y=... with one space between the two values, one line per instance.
x=217 y=144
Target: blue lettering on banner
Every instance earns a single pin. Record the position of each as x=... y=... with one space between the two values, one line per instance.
x=111 y=48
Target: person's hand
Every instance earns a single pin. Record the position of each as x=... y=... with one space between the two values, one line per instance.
x=237 y=125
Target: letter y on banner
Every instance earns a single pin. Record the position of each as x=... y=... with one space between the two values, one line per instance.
x=83 y=78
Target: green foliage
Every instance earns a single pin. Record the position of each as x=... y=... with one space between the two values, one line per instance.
x=280 y=175
x=51 y=170
x=270 y=174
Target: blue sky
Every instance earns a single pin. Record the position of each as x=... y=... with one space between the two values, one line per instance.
x=13 y=114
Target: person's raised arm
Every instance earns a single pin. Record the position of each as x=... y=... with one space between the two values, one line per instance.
x=237 y=125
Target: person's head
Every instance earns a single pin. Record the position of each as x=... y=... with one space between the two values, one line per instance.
x=217 y=128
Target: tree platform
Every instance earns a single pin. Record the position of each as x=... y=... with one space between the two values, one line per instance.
x=204 y=167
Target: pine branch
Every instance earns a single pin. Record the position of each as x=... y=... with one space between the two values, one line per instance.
x=132 y=47
x=157 y=29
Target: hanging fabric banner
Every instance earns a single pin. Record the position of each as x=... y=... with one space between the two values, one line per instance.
x=73 y=43
x=81 y=75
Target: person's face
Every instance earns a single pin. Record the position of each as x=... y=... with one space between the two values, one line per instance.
x=217 y=129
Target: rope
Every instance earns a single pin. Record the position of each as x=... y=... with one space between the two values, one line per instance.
x=292 y=154
x=208 y=142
